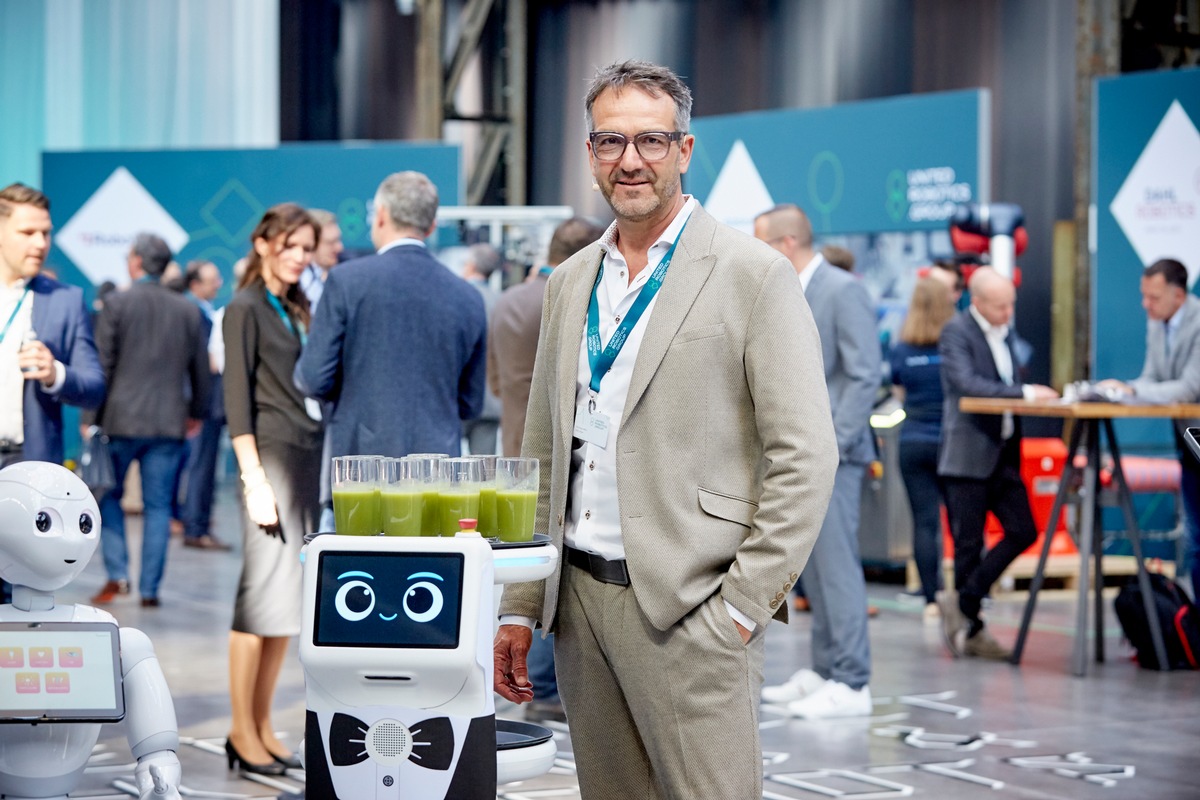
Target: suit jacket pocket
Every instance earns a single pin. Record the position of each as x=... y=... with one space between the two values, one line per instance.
x=727 y=507
x=703 y=332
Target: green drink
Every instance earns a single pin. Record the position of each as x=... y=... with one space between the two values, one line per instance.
x=402 y=513
x=516 y=512
x=356 y=512
x=487 y=511
x=430 y=512
x=455 y=506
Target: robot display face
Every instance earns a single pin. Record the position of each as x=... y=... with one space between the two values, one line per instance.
x=49 y=525
x=400 y=600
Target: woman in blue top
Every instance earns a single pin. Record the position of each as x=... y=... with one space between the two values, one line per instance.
x=917 y=381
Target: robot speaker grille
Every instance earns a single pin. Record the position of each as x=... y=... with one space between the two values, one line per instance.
x=389 y=742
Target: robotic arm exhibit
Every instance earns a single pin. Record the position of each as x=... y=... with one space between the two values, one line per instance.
x=994 y=228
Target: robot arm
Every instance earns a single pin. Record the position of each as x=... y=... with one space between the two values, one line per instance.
x=149 y=718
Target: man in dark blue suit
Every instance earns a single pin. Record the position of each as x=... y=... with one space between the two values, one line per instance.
x=398 y=341
x=979 y=459
x=47 y=334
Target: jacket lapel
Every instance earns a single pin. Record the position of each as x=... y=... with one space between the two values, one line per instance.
x=689 y=270
x=576 y=295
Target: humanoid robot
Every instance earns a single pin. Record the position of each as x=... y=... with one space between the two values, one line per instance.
x=67 y=670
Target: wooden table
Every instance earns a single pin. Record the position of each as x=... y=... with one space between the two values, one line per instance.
x=1090 y=420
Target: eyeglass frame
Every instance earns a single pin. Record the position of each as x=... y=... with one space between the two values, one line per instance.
x=671 y=136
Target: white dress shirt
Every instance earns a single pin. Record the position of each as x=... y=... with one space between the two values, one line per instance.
x=806 y=274
x=12 y=382
x=997 y=336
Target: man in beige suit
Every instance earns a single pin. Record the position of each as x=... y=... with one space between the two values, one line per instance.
x=687 y=456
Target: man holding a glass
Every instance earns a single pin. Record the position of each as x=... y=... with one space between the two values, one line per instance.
x=679 y=412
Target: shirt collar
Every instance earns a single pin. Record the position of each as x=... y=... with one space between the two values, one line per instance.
x=1176 y=319
x=399 y=243
x=806 y=274
x=989 y=330
x=608 y=242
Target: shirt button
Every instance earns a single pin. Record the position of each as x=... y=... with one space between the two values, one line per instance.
x=622 y=273
x=587 y=514
x=592 y=465
x=617 y=318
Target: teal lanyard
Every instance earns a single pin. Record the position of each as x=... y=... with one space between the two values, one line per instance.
x=283 y=315
x=545 y=271
x=13 y=315
x=602 y=361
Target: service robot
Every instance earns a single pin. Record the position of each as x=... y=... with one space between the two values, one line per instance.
x=67 y=670
x=396 y=645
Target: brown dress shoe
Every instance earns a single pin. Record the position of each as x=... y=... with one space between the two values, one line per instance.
x=150 y=602
x=206 y=542
x=109 y=592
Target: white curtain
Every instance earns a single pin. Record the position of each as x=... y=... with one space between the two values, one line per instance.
x=132 y=74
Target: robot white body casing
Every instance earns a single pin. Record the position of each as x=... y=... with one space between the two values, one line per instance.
x=393 y=710
x=49 y=528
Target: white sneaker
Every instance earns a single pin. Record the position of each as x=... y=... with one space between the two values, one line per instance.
x=802 y=683
x=834 y=699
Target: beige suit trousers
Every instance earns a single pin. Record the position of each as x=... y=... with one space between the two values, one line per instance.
x=657 y=715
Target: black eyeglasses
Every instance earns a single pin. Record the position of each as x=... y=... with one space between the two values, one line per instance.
x=650 y=145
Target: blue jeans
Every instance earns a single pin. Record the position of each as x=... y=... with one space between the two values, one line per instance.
x=159 y=461
x=918 y=468
x=540 y=663
x=201 y=472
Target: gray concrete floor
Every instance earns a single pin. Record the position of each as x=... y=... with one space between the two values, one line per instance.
x=1119 y=719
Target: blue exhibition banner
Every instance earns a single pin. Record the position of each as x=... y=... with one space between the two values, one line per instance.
x=899 y=164
x=205 y=203
x=1146 y=206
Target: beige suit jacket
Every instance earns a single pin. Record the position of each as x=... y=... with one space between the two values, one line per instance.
x=726 y=453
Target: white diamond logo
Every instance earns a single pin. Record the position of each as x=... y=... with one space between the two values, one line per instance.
x=739 y=194
x=1158 y=206
x=98 y=237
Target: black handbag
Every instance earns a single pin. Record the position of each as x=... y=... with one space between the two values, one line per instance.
x=95 y=463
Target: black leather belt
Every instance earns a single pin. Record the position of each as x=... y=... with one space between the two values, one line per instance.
x=602 y=569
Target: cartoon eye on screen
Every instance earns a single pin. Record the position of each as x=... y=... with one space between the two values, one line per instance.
x=388 y=600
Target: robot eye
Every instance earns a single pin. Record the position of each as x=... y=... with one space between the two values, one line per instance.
x=85 y=523
x=42 y=521
x=423 y=601
x=355 y=600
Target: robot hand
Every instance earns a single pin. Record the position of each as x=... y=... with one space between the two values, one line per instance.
x=158 y=775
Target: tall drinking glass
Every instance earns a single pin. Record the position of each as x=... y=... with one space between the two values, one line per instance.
x=516 y=498
x=356 y=495
x=487 y=497
x=458 y=495
x=401 y=501
x=427 y=473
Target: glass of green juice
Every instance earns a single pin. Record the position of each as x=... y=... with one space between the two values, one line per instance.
x=401 y=499
x=427 y=473
x=516 y=498
x=356 y=503
x=486 y=523
x=458 y=493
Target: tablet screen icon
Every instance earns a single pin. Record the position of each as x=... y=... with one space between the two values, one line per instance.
x=28 y=683
x=12 y=657
x=41 y=657
x=70 y=657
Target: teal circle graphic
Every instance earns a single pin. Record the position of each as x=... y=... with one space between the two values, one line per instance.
x=826 y=159
x=897 y=195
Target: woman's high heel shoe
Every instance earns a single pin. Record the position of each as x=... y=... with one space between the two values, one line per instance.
x=288 y=762
x=274 y=767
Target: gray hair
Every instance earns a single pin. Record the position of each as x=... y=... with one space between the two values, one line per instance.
x=653 y=79
x=153 y=251
x=487 y=258
x=322 y=217
x=410 y=198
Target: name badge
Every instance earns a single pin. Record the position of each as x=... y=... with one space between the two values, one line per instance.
x=592 y=427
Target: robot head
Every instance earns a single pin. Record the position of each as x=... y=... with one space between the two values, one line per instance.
x=49 y=525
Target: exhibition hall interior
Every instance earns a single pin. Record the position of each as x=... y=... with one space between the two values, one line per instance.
x=823 y=375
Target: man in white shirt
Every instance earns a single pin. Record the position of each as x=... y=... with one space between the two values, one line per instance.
x=687 y=455
x=979 y=459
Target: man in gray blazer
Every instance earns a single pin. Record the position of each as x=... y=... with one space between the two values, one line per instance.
x=837 y=685
x=1171 y=374
x=687 y=459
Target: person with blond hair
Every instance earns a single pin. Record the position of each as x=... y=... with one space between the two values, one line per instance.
x=917 y=382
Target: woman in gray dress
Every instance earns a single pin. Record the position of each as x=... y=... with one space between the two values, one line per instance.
x=276 y=437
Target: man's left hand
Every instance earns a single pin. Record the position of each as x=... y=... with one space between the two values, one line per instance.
x=743 y=631
x=36 y=363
